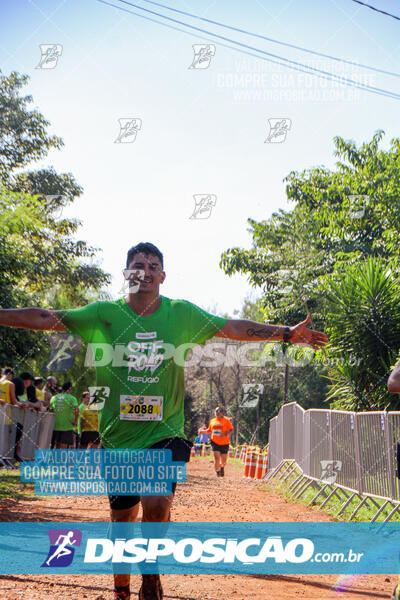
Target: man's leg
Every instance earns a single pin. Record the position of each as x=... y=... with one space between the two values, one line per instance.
x=121 y=581
x=224 y=458
x=217 y=461
x=18 y=436
x=156 y=509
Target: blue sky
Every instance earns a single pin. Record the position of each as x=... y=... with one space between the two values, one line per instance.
x=202 y=130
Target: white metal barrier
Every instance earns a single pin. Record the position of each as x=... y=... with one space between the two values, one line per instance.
x=37 y=429
x=354 y=451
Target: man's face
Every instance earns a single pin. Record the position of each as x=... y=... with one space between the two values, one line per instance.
x=27 y=382
x=219 y=414
x=153 y=272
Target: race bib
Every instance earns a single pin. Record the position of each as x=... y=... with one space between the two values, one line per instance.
x=217 y=431
x=141 y=408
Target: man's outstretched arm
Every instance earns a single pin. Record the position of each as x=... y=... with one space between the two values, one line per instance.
x=393 y=383
x=243 y=330
x=31 y=318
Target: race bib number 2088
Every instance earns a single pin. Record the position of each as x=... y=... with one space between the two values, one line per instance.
x=141 y=408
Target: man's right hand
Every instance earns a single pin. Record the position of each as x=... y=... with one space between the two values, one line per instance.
x=37 y=319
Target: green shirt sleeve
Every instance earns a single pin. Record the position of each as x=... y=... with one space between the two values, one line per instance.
x=78 y=426
x=203 y=325
x=81 y=321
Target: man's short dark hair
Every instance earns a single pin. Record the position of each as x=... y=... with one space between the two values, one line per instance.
x=7 y=371
x=66 y=386
x=38 y=380
x=25 y=375
x=146 y=248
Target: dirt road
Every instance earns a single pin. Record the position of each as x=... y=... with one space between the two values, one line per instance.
x=203 y=497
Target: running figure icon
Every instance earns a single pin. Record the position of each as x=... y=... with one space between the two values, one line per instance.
x=62 y=549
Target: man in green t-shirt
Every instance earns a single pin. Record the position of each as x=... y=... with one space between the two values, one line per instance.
x=65 y=408
x=139 y=344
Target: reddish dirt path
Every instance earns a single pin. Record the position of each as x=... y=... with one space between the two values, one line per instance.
x=202 y=498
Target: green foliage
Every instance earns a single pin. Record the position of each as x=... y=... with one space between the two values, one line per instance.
x=336 y=502
x=191 y=426
x=363 y=316
x=41 y=261
x=23 y=135
x=340 y=218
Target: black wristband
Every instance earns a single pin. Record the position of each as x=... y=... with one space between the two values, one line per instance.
x=286 y=334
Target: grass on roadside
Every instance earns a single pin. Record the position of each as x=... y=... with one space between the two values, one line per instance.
x=231 y=461
x=11 y=485
x=365 y=513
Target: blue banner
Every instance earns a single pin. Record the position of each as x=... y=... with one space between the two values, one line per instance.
x=199 y=548
x=103 y=472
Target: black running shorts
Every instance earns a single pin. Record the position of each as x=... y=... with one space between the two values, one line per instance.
x=63 y=437
x=89 y=437
x=223 y=448
x=180 y=453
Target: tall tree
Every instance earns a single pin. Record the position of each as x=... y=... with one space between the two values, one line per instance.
x=23 y=131
x=340 y=217
x=41 y=263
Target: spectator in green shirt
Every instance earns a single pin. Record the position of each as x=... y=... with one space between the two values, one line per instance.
x=65 y=408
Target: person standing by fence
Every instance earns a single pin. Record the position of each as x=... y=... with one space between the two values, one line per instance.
x=39 y=383
x=21 y=385
x=50 y=390
x=65 y=408
x=7 y=387
x=204 y=437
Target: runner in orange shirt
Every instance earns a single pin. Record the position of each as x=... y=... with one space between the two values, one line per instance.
x=220 y=428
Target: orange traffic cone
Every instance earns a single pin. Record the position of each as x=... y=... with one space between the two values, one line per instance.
x=230 y=453
x=253 y=464
x=238 y=451
x=265 y=465
x=192 y=452
x=203 y=450
x=259 y=466
x=247 y=462
x=250 y=465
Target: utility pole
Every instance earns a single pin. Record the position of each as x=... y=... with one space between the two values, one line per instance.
x=211 y=400
x=286 y=383
x=258 y=409
x=237 y=419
